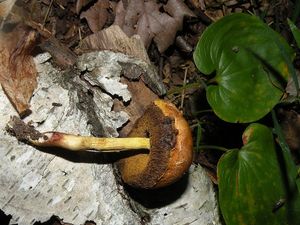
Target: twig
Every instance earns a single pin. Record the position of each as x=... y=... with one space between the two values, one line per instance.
x=183 y=91
x=47 y=13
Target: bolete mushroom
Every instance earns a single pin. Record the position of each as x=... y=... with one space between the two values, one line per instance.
x=162 y=129
x=170 y=153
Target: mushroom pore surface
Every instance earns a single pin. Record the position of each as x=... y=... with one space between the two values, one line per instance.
x=170 y=154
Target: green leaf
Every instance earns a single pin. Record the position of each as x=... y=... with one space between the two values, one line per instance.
x=296 y=34
x=286 y=156
x=243 y=89
x=295 y=31
x=251 y=188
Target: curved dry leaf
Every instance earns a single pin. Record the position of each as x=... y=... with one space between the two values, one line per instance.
x=80 y=4
x=5 y=7
x=17 y=68
x=114 y=39
x=140 y=100
x=133 y=11
x=146 y=19
x=120 y=14
x=96 y=16
x=178 y=9
x=143 y=31
x=163 y=26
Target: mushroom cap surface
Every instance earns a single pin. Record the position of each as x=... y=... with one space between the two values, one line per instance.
x=170 y=153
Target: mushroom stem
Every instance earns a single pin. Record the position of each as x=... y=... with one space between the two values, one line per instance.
x=81 y=143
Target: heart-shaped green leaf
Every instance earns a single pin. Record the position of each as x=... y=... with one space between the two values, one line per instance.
x=239 y=48
x=251 y=186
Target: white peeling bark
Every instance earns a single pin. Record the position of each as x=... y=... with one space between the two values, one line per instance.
x=37 y=183
x=196 y=205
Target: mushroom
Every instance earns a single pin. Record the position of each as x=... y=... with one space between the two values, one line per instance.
x=170 y=153
x=162 y=129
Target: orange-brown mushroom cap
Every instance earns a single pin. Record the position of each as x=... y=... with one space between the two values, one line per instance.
x=170 y=153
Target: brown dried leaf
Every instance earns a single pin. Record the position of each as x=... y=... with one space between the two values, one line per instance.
x=163 y=26
x=177 y=9
x=96 y=15
x=214 y=14
x=80 y=4
x=5 y=8
x=114 y=39
x=17 y=69
x=141 y=98
x=146 y=19
x=127 y=15
x=197 y=4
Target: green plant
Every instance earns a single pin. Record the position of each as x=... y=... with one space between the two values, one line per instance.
x=251 y=184
x=242 y=90
x=249 y=64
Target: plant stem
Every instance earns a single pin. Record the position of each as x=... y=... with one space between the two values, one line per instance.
x=215 y=147
x=82 y=143
x=288 y=168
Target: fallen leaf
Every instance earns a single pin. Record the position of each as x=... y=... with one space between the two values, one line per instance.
x=160 y=26
x=146 y=19
x=128 y=14
x=177 y=9
x=5 y=8
x=197 y=4
x=17 y=69
x=80 y=4
x=114 y=39
x=141 y=97
x=96 y=16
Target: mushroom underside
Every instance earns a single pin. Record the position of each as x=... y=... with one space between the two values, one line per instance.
x=145 y=170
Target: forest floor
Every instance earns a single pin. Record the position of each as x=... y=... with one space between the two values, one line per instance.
x=68 y=28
